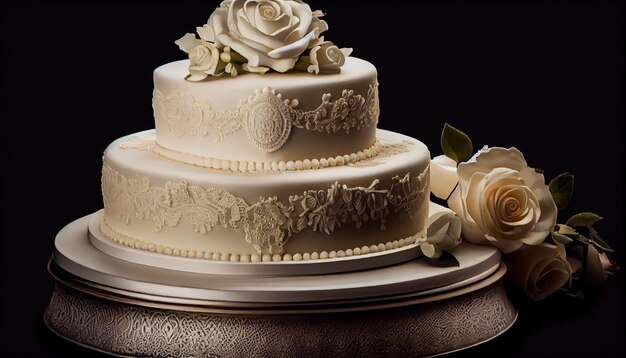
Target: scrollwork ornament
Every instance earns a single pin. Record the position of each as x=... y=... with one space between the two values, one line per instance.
x=268 y=124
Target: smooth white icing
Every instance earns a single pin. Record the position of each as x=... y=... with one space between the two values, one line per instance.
x=146 y=141
x=137 y=165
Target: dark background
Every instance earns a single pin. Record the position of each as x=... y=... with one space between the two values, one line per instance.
x=544 y=77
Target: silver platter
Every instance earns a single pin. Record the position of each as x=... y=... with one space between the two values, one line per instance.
x=75 y=254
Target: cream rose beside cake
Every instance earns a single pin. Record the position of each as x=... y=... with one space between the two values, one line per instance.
x=539 y=270
x=501 y=200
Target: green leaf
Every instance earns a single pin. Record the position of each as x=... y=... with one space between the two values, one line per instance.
x=560 y=238
x=583 y=219
x=561 y=189
x=597 y=241
x=456 y=144
x=565 y=230
x=236 y=57
x=581 y=238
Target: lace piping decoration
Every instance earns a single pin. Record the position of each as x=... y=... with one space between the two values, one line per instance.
x=268 y=223
x=266 y=117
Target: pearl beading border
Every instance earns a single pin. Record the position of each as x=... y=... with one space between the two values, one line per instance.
x=244 y=166
x=131 y=242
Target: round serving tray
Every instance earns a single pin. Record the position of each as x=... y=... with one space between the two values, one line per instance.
x=280 y=268
x=75 y=255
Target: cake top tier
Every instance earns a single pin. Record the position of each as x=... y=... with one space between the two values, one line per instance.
x=264 y=120
x=260 y=36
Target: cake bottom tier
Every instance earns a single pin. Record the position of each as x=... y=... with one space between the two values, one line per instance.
x=173 y=208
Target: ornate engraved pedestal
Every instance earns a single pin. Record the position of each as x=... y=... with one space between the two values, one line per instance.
x=137 y=312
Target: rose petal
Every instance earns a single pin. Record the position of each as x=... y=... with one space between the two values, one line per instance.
x=196 y=76
x=218 y=21
x=526 y=218
x=255 y=58
x=313 y=56
x=534 y=237
x=292 y=50
x=275 y=26
x=515 y=203
x=260 y=70
x=552 y=277
x=575 y=264
x=539 y=270
x=250 y=10
x=188 y=42
x=333 y=57
x=301 y=11
x=472 y=197
x=285 y=8
x=346 y=51
x=257 y=46
x=532 y=178
x=506 y=246
x=443 y=177
x=605 y=261
x=547 y=209
x=248 y=32
x=443 y=227
x=206 y=33
x=495 y=157
x=430 y=250
x=595 y=272
x=469 y=230
x=520 y=263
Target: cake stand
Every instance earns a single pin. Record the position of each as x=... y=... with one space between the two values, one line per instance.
x=412 y=308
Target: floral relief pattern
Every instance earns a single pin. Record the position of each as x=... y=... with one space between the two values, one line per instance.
x=266 y=117
x=425 y=329
x=267 y=223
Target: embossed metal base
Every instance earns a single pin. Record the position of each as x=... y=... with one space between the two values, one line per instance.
x=423 y=326
x=412 y=308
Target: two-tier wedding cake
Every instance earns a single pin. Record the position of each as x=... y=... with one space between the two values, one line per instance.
x=265 y=199
x=266 y=149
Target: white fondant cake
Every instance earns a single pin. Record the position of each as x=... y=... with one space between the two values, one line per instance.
x=265 y=167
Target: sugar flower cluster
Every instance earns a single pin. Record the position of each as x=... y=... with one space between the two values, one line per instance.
x=259 y=36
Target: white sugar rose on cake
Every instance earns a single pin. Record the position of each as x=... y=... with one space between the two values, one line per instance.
x=502 y=201
x=258 y=36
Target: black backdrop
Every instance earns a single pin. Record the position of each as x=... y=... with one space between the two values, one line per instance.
x=544 y=77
